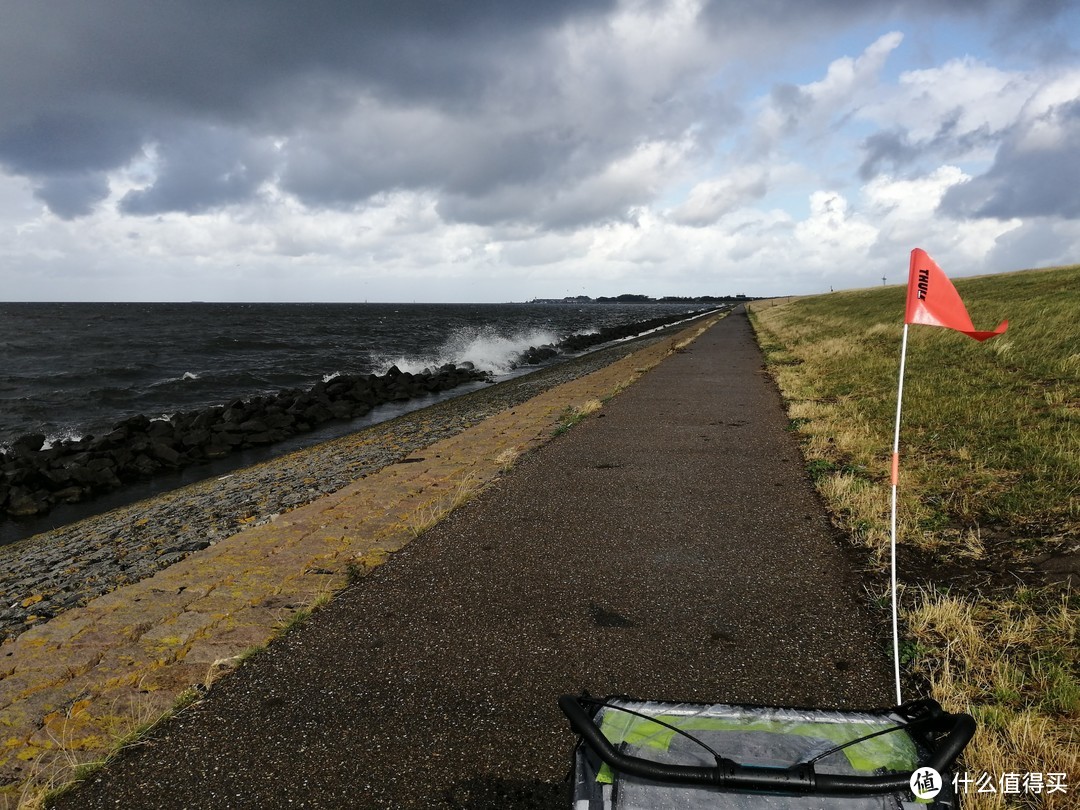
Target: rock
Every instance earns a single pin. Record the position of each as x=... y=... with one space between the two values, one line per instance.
x=23 y=503
x=317 y=414
x=195 y=438
x=363 y=392
x=235 y=413
x=58 y=479
x=71 y=494
x=160 y=429
x=30 y=443
x=137 y=447
x=121 y=456
x=232 y=438
x=104 y=479
x=339 y=386
x=144 y=465
x=135 y=424
x=165 y=453
x=279 y=420
x=116 y=437
x=341 y=410
x=207 y=418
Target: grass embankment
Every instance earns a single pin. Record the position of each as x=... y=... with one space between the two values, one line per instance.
x=989 y=520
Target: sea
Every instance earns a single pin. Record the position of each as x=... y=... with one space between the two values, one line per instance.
x=68 y=370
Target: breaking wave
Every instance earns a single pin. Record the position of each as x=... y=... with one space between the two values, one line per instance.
x=483 y=346
x=53 y=439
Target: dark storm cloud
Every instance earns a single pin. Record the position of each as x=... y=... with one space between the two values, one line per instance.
x=375 y=149
x=201 y=168
x=72 y=196
x=67 y=154
x=782 y=13
x=776 y=17
x=205 y=54
x=1035 y=173
x=65 y=141
x=472 y=100
x=757 y=27
x=129 y=68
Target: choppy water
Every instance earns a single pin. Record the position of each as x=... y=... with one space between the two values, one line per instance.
x=68 y=370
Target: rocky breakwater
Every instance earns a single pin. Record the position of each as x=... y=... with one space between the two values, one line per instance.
x=35 y=476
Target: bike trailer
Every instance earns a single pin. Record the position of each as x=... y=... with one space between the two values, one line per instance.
x=651 y=755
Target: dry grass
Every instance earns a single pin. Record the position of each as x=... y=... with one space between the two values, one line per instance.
x=61 y=769
x=291 y=619
x=575 y=415
x=463 y=491
x=507 y=459
x=1011 y=663
x=990 y=474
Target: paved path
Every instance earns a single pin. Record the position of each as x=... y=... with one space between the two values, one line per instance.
x=668 y=546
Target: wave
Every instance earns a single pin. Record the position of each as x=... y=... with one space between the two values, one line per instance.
x=168 y=383
x=484 y=346
x=66 y=435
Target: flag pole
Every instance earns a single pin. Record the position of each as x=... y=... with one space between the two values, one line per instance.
x=892 y=544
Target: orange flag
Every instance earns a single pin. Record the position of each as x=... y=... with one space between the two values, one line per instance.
x=932 y=299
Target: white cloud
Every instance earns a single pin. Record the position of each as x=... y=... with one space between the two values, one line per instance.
x=964 y=93
x=711 y=199
x=848 y=78
x=806 y=112
x=830 y=226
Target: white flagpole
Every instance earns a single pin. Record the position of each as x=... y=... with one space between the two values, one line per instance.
x=895 y=477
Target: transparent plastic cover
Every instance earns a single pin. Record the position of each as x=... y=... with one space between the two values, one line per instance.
x=760 y=736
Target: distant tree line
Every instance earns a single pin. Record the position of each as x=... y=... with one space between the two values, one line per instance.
x=629 y=298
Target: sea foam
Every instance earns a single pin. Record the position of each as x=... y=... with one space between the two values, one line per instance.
x=484 y=346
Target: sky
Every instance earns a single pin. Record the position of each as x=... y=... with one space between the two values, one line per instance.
x=504 y=150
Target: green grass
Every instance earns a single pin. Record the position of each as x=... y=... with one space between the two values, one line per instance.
x=989 y=479
x=573 y=416
x=990 y=433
